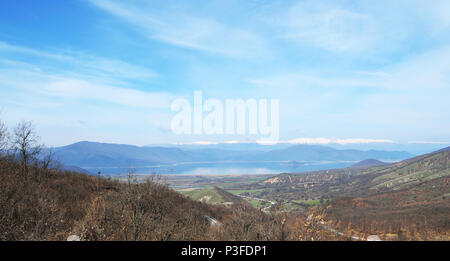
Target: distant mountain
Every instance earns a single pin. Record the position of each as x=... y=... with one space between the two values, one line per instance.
x=323 y=153
x=89 y=154
x=93 y=154
x=369 y=163
x=414 y=148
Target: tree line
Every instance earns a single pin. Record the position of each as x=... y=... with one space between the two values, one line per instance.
x=22 y=144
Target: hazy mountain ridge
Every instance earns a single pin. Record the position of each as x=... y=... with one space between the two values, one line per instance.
x=93 y=154
x=324 y=153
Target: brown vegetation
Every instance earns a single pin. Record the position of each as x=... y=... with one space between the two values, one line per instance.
x=409 y=214
x=51 y=205
x=39 y=203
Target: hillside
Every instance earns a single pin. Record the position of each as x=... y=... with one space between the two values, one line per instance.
x=369 y=163
x=50 y=205
x=360 y=181
x=444 y=149
x=407 y=200
x=42 y=204
x=420 y=213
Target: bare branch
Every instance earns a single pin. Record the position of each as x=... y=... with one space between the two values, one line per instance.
x=4 y=136
x=25 y=143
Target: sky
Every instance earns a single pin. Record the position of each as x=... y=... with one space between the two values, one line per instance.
x=344 y=72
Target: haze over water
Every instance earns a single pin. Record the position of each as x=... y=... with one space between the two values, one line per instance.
x=225 y=168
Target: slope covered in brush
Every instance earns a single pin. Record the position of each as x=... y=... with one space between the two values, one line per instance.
x=43 y=204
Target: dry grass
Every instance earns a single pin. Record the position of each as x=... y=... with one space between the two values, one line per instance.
x=51 y=205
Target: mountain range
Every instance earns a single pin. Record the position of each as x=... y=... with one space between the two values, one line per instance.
x=94 y=154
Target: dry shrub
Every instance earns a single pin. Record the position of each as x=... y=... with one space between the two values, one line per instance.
x=51 y=205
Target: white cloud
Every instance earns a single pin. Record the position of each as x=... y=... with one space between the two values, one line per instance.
x=331 y=27
x=362 y=27
x=57 y=101
x=5 y=47
x=324 y=141
x=236 y=141
x=73 y=88
x=77 y=77
x=80 y=89
x=203 y=143
x=308 y=80
x=309 y=141
x=187 y=31
x=84 y=63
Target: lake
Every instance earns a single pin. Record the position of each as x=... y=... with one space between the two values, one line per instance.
x=224 y=168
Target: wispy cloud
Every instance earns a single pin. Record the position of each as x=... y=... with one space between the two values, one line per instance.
x=331 y=28
x=63 y=86
x=57 y=90
x=77 y=76
x=361 y=26
x=426 y=72
x=182 y=30
x=317 y=80
x=81 y=89
x=408 y=97
x=340 y=68
x=81 y=62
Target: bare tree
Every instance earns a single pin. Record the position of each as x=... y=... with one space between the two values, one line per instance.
x=47 y=159
x=26 y=143
x=3 y=138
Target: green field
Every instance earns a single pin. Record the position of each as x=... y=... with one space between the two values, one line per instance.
x=241 y=191
x=310 y=202
x=209 y=195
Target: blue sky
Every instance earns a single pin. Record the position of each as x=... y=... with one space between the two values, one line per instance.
x=344 y=71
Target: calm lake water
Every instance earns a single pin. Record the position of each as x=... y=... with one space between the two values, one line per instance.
x=223 y=168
